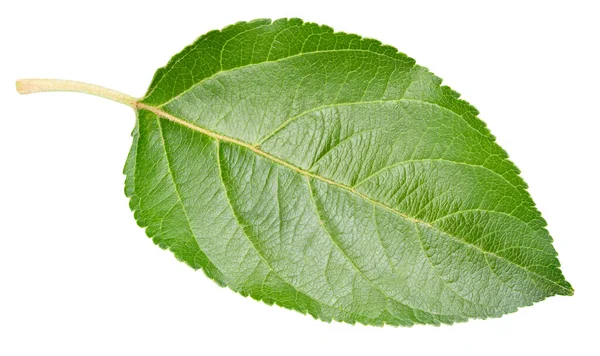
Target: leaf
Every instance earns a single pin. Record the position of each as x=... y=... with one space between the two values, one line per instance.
x=330 y=174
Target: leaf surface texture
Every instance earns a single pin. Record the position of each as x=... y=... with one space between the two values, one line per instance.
x=330 y=174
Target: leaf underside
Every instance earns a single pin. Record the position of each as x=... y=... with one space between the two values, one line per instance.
x=330 y=174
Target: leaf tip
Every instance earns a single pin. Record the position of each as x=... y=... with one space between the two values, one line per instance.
x=571 y=292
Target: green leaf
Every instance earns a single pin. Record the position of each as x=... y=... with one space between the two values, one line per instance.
x=330 y=174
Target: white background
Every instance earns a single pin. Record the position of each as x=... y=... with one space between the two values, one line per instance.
x=78 y=277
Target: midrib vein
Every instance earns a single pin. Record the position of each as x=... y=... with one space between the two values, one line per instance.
x=299 y=170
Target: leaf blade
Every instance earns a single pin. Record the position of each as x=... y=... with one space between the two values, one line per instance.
x=382 y=138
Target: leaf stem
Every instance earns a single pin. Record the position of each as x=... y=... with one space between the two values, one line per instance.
x=28 y=86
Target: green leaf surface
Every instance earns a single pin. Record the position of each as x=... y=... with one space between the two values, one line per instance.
x=330 y=174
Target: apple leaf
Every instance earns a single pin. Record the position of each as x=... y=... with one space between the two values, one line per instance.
x=330 y=174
